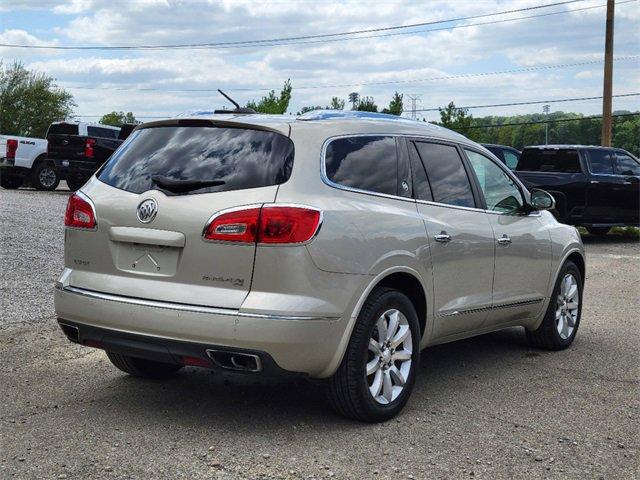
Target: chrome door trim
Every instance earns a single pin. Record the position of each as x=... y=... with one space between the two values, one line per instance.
x=491 y=307
x=181 y=306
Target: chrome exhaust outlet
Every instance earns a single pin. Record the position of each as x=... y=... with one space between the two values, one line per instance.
x=71 y=332
x=239 y=361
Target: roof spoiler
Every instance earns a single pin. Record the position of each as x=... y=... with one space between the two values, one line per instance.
x=238 y=108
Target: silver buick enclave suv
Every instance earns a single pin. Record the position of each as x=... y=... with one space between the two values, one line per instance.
x=335 y=246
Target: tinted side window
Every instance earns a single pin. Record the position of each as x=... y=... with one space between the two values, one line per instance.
x=500 y=192
x=446 y=173
x=421 y=188
x=365 y=163
x=559 y=160
x=626 y=165
x=102 y=132
x=600 y=161
x=236 y=157
x=511 y=159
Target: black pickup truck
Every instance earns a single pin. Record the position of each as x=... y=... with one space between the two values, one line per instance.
x=594 y=187
x=78 y=149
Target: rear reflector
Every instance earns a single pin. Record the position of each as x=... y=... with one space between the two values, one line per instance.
x=270 y=224
x=92 y=343
x=196 y=362
x=12 y=147
x=79 y=213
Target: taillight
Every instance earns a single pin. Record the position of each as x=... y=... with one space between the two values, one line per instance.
x=88 y=147
x=234 y=226
x=79 y=213
x=269 y=225
x=12 y=147
x=288 y=224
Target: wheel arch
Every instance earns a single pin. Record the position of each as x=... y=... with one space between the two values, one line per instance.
x=405 y=280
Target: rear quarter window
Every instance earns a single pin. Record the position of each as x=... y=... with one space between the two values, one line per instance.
x=367 y=163
x=239 y=158
x=560 y=160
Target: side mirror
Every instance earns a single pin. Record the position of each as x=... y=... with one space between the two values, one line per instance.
x=541 y=200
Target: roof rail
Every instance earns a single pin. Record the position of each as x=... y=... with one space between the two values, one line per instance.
x=350 y=115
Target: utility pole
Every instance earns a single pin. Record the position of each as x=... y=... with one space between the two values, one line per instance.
x=608 y=76
x=414 y=98
x=545 y=109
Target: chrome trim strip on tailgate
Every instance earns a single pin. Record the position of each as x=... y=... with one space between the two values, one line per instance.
x=180 y=306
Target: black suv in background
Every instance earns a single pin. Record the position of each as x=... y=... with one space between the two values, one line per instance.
x=507 y=155
x=594 y=187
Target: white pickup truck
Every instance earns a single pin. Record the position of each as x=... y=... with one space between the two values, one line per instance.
x=24 y=159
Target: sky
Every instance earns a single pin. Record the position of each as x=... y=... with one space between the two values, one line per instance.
x=417 y=61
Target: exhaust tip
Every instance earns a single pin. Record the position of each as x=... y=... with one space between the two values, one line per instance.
x=239 y=361
x=71 y=332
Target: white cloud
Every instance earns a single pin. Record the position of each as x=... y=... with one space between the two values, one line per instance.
x=569 y=38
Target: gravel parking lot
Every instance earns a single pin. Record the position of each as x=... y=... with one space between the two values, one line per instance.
x=488 y=407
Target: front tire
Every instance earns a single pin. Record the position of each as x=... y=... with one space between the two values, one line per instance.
x=561 y=321
x=140 y=367
x=377 y=374
x=45 y=177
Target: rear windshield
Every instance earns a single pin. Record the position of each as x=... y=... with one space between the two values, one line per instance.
x=63 y=129
x=237 y=158
x=561 y=160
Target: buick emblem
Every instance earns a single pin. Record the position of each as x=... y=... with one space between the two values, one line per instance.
x=147 y=210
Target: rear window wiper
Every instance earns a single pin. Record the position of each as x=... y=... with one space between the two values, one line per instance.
x=183 y=186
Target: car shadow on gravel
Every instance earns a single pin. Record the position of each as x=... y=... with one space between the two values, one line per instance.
x=201 y=398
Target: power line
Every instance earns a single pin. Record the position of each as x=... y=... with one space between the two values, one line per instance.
x=342 y=85
x=533 y=102
x=325 y=37
x=559 y=120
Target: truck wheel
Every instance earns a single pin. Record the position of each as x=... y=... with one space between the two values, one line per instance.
x=45 y=177
x=10 y=182
x=561 y=321
x=598 y=230
x=377 y=373
x=139 y=367
x=75 y=183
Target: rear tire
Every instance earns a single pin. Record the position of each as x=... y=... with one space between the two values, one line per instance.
x=75 y=183
x=45 y=177
x=140 y=367
x=393 y=365
x=560 y=324
x=10 y=182
x=597 y=231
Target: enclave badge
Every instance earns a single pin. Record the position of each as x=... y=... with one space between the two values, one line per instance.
x=147 y=210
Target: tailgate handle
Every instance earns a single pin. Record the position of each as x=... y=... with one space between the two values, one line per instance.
x=148 y=236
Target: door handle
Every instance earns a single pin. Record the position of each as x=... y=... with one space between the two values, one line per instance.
x=442 y=237
x=504 y=240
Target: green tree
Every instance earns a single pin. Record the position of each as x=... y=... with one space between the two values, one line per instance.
x=30 y=101
x=367 y=104
x=457 y=119
x=336 y=104
x=354 y=98
x=272 y=103
x=395 y=106
x=117 y=119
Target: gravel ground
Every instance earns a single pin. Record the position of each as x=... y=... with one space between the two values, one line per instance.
x=488 y=407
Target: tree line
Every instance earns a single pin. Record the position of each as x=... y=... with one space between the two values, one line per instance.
x=30 y=101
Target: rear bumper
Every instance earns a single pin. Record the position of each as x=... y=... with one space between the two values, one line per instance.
x=303 y=345
x=75 y=167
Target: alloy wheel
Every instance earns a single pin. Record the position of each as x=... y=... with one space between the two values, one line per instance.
x=47 y=177
x=389 y=356
x=567 y=306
